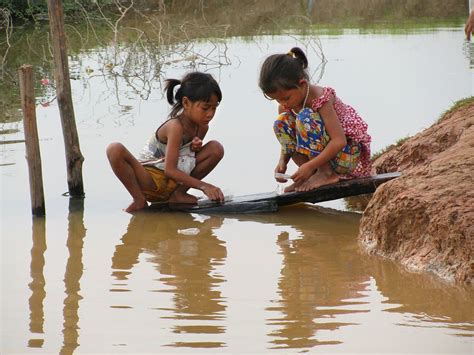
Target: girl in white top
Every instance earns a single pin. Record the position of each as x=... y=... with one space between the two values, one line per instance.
x=175 y=159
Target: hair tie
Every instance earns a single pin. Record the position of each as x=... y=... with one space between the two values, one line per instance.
x=291 y=54
x=175 y=90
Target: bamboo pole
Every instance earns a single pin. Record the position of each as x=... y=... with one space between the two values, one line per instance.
x=74 y=157
x=33 y=155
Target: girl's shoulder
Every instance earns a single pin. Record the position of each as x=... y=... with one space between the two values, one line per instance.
x=170 y=126
x=323 y=95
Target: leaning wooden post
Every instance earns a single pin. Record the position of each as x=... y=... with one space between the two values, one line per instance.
x=74 y=157
x=33 y=156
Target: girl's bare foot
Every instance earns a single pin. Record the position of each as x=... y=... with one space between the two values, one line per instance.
x=320 y=178
x=182 y=197
x=292 y=187
x=136 y=205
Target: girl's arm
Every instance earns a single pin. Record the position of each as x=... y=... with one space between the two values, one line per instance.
x=196 y=143
x=173 y=133
x=282 y=166
x=284 y=158
x=336 y=143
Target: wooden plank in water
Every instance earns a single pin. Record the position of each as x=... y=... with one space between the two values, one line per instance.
x=270 y=201
x=209 y=207
x=344 y=188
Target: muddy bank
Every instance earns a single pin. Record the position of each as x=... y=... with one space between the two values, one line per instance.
x=425 y=218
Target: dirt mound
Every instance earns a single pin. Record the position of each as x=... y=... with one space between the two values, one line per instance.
x=425 y=218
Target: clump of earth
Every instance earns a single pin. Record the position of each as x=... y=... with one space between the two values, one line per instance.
x=424 y=219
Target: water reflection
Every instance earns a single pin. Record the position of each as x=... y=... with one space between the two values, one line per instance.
x=186 y=253
x=72 y=277
x=321 y=276
x=468 y=49
x=73 y=274
x=327 y=287
x=326 y=280
x=38 y=283
x=425 y=300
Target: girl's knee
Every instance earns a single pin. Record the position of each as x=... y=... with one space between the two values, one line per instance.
x=114 y=150
x=217 y=149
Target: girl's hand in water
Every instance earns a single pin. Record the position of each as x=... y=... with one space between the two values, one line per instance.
x=196 y=144
x=303 y=173
x=213 y=193
x=280 y=169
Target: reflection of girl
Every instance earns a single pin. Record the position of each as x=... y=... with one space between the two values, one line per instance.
x=175 y=158
x=187 y=263
x=325 y=137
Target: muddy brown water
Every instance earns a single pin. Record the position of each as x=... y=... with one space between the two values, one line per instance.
x=90 y=278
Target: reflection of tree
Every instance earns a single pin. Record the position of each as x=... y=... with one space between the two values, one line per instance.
x=73 y=274
x=37 y=284
x=185 y=262
x=321 y=276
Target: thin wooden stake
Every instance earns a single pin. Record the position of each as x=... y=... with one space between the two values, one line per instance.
x=33 y=155
x=74 y=157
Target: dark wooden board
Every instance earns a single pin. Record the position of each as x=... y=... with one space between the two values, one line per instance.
x=270 y=201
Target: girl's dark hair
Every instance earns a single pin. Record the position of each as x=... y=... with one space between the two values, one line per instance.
x=283 y=71
x=196 y=86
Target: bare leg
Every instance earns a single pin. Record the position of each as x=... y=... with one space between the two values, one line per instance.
x=299 y=160
x=131 y=173
x=206 y=160
x=325 y=175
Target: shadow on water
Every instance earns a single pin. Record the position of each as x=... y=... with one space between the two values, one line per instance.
x=72 y=277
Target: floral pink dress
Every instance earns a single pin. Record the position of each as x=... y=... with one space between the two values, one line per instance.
x=354 y=128
x=304 y=132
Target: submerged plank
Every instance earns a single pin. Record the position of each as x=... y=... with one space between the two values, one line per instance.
x=270 y=201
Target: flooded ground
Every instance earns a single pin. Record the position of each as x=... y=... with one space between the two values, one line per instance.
x=90 y=278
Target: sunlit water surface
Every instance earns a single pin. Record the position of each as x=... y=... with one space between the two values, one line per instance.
x=91 y=278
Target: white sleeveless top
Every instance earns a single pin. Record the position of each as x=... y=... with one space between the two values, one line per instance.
x=153 y=154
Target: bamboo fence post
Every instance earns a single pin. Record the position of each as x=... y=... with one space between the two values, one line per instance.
x=33 y=155
x=74 y=157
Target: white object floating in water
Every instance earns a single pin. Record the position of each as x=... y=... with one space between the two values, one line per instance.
x=189 y=231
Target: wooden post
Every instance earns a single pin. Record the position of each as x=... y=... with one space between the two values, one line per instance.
x=33 y=155
x=74 y=157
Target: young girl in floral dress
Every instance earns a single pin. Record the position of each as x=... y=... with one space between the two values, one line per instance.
x=326 y=138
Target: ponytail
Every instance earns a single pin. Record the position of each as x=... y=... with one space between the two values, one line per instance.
x=170 y=84
x=283 y=71
x=299 y=55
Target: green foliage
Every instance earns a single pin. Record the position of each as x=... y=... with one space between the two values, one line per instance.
x=24 y=9
x=457 y=105
x=38 y=9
